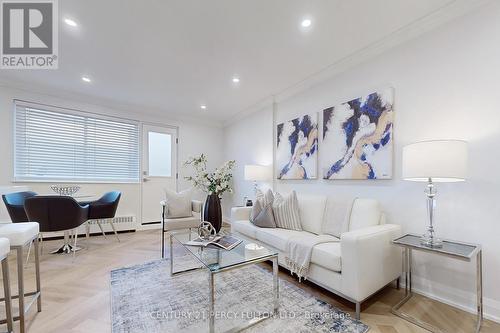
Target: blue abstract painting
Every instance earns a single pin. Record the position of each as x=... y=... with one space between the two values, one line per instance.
x=297 y=148
x=358 y=137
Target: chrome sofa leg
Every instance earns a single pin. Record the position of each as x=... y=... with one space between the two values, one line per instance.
x=358 y=310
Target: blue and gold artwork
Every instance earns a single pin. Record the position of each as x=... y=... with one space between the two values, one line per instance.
x=358 y=137
x=297 y=148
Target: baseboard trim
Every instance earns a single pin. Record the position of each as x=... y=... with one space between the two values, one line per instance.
x=93 y=234
x=491 y=307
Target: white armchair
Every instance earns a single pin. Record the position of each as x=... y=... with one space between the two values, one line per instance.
x=169 y=225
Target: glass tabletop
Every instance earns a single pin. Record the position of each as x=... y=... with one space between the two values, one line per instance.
x=217 y=259
x=452 y=248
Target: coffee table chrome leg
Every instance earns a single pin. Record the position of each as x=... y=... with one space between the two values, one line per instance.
x=276 y=286
x=211 y=314
x=479 y=285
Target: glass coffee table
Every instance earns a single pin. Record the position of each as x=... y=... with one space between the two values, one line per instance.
x=216 y=260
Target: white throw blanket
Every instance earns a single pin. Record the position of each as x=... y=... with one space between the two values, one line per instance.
x=299 y=251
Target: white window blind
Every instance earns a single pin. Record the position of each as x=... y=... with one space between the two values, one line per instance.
x=59 y=144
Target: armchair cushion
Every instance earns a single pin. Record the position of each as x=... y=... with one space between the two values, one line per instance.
x=196 y=206
x=178 y=204
x=182 y=223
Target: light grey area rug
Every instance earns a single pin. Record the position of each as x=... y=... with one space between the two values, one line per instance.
x=144 y=298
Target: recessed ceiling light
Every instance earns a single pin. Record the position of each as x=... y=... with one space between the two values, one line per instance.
x=203 y=107
x=306 y=23
x=236 y=79
x=70 y=22
x=86 y=79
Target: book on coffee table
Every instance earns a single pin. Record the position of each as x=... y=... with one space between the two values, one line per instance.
x=224 y=242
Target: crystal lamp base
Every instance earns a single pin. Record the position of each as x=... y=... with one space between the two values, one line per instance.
x=431 y=242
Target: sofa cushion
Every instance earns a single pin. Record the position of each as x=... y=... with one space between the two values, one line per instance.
x=364 y=213
x=278 y=238
x=337 y=215
x=311 y=210
x=245 y=227
x=327 y=255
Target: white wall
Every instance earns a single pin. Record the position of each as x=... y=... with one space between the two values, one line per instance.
x=194 y=139
x=248 y=143
x=446 y=86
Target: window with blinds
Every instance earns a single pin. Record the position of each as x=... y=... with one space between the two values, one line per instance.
x=53 y=144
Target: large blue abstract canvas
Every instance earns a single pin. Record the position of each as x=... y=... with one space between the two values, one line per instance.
x=297 y=148
x=358 y=137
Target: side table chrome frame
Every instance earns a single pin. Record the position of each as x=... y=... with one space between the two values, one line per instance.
x=273 y=258
x=409 y=292
x=35 y=295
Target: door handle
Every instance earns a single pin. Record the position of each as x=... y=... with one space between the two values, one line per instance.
x=145 y=179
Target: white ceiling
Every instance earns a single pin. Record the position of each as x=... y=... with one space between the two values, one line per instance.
x=173 y=55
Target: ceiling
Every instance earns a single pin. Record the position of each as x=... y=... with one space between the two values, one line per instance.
x=172 y=56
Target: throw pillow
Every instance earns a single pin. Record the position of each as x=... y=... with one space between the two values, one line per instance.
x=256 y=209
x=263 y=199
x=265 y=219
x=178 y=204
x=286 y=211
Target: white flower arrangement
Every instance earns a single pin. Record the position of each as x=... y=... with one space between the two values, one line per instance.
x=217 y=182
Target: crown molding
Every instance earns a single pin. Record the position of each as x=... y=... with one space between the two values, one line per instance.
x=418 y=27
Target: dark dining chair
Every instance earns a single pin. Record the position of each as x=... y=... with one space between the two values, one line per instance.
x=14 y=202
x=57 y=213
x=104 y=209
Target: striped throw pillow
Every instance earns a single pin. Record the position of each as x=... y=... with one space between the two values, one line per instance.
x=286 y=211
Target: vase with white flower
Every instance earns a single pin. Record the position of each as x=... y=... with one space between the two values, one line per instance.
x=215 y=184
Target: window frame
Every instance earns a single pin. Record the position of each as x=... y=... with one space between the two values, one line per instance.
x=69 y=111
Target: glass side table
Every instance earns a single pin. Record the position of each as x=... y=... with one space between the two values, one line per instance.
x=452 y=249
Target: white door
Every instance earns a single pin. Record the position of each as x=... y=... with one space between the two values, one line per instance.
x=159 y=166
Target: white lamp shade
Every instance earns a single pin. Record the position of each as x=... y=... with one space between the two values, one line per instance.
x=439 y=160
x=258 y=172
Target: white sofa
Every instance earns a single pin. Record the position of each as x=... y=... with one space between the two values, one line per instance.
x=355 y=265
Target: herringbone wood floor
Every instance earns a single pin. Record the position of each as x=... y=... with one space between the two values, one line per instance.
x=76 y=294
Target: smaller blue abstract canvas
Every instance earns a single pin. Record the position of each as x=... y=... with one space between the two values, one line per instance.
x=297 y=148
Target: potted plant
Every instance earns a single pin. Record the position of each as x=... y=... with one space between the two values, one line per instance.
x=215 y=184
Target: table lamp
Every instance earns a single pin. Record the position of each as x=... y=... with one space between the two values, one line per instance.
x=434 y=162
x=257 y=173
